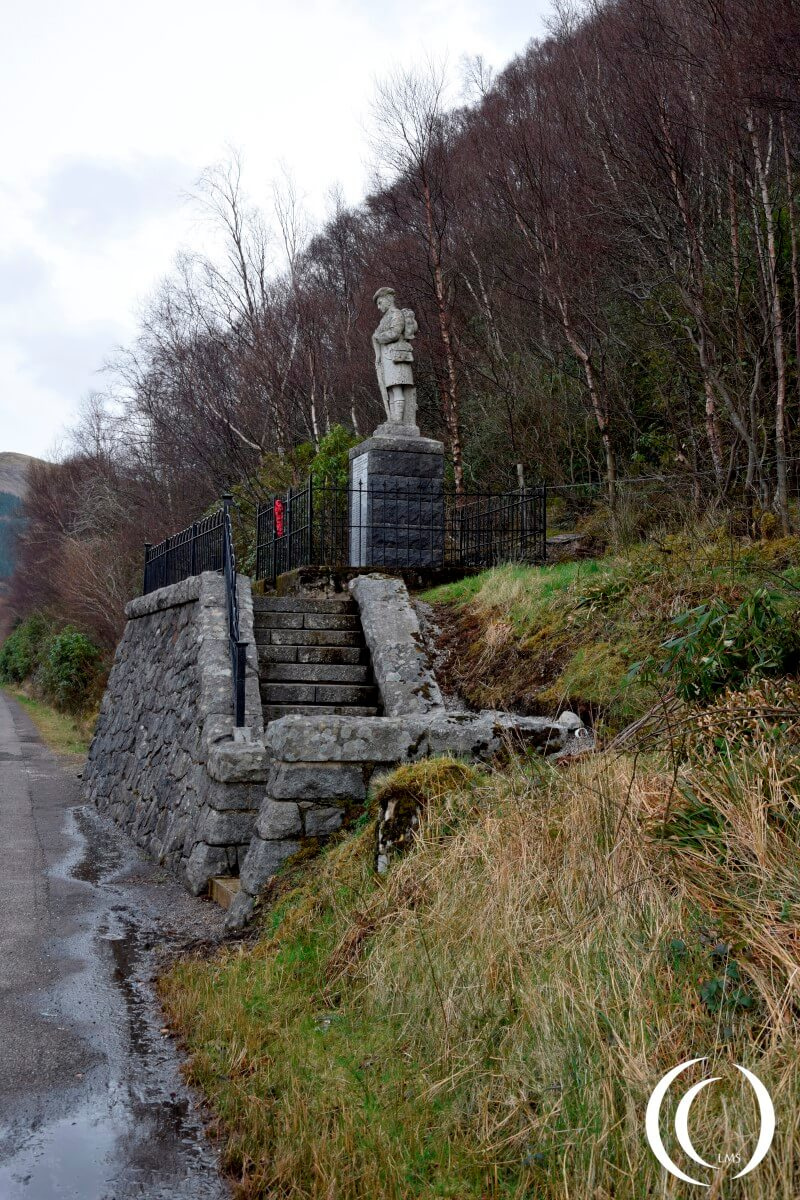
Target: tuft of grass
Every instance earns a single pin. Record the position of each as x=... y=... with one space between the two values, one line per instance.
x=65 y=734
x=489 y=1018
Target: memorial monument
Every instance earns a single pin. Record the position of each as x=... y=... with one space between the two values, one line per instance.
x=396 y=476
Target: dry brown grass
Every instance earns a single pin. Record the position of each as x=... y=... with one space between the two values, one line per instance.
x=489 y=1019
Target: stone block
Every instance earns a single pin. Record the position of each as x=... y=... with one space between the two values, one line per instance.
x=343 y=739
x=236 y=762
x=278 y=819
x=203 y=862
x=277 y=654
x=345 y=693
x=328 y=654
x=263 y=860
x=317 y=672
x=337 y=621
x=274 y=712
x=240 y=911
x=322 y=820
x=221 y=827
x=400 y=664
x=288 y=693
x=316 y=781
x=279 y=620
x=316 y=637
x=303 y=604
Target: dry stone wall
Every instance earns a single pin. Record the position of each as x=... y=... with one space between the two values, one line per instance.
x=166 y=762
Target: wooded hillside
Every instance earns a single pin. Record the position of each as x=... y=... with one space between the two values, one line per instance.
x=601 y=248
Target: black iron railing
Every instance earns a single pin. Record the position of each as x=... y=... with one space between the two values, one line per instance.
x=198 y=548
x=318 y=524
x=206 y=545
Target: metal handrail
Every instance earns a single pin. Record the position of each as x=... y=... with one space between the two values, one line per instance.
x=238 y=648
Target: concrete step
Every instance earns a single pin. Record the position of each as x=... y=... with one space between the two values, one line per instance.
x=315 y=673
x=273 y=712
x=304 y=604
x=312 y=654
x=268 y=619
x=222 y=889
x=318 y=693
x=309 y=637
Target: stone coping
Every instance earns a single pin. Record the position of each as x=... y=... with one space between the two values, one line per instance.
x=407 y=738
x=400 y=663
x=394 y=443
x=172 y=596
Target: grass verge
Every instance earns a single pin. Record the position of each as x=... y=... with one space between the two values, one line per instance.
x=541 y=639
x=490 y=1017
x=65 y=734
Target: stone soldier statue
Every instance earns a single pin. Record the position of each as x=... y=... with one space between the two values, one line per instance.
x=394 y=356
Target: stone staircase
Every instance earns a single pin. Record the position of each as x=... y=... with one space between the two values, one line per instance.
x=312 y=657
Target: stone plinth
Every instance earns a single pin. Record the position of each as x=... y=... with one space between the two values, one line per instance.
x=397 y=501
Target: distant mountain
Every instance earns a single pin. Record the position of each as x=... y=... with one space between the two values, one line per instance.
x=14 y=472
x=13 y=487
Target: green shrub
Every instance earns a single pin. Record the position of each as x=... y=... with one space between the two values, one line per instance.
x=719 y=647
x=23 y=649
x=331 y=462
x=69 y=669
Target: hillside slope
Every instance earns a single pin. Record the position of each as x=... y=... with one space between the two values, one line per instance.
x=487 y=1020
x=544 y=639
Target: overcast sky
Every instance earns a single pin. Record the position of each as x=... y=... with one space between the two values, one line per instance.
x=111 y=111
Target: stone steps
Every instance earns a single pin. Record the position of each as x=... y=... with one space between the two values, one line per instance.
x=304 y=620
x=312 y=657
x=312 y=654
x=304 y=604
x=319 y=693
x=273 y=712
x=268 y=636
x=324 y=672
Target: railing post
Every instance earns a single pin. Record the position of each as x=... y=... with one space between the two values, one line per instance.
x=147 y=548
x=310 y=518
x=167 y=562
x=193 y=563
x=241 y=669
x=227 y=501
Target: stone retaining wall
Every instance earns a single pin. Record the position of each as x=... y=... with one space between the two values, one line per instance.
x=165 y=761
x=321 y=767
x=206 y=799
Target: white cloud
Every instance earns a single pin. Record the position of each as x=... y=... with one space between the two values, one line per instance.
x=111 y=110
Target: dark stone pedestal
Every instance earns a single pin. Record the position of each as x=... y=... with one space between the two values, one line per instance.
x=397 y=502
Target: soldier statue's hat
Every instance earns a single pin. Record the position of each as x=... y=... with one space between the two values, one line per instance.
x=383 y=291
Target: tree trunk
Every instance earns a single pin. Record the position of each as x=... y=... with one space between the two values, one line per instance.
x=793 y=234
x=452 y=414
x=781 y=493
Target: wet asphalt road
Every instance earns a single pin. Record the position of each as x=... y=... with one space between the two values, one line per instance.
x=92 y=1105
